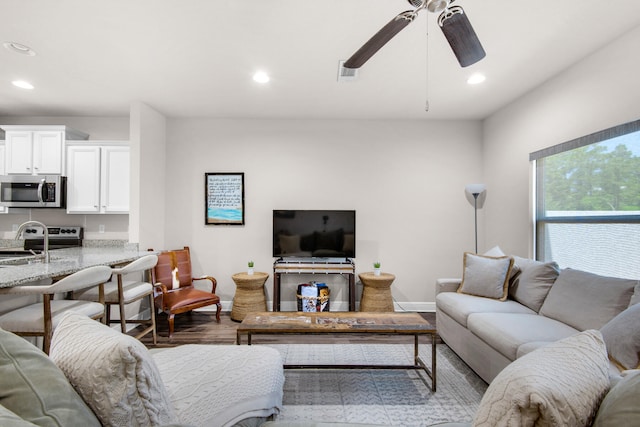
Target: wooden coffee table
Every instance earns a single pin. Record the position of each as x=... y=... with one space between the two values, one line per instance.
x=282 y=323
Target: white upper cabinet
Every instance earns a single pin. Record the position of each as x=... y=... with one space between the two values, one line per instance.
x=98 y=178
x=37 y=150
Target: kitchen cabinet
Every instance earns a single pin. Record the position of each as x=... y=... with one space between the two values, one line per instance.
x=98 y=178
x=37 y=150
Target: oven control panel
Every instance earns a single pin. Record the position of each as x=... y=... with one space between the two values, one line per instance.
x=60 y=232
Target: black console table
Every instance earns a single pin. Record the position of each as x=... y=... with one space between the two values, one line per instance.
x=343 y=266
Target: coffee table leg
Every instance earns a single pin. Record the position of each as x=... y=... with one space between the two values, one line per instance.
x=433 y=362
x=419 y=363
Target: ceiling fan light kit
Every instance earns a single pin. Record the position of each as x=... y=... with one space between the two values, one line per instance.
x=454 y=24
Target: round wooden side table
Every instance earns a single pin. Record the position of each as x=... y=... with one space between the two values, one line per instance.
x=376 y=292
x=250 y=296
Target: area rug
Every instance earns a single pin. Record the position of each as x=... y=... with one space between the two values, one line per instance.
x=374 y=396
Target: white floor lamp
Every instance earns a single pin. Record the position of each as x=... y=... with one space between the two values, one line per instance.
x=477 y=191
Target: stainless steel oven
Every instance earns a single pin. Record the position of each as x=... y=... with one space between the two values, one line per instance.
x=33 y=191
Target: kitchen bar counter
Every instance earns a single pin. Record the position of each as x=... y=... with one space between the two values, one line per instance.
x=63 y=262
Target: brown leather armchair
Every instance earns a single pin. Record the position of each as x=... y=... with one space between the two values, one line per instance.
x=174 y=291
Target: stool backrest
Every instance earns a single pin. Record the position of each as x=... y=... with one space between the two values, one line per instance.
x=86 y=278
x=145 y=263
x=82 y=279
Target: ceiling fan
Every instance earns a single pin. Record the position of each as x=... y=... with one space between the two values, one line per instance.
x=453 y=22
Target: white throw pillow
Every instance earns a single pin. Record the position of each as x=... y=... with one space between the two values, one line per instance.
x=486 y=276
x=560 y=384
x=113 y=372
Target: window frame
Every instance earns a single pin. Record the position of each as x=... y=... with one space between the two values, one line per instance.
x=540 y=218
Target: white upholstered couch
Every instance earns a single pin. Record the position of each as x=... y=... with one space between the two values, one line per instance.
x=96 y=375
x=491 y=325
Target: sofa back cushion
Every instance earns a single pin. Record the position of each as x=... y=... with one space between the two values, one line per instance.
x=531 y=286
x=622 y=336
x=620 y=406
x=585 y=300
x=35 y=389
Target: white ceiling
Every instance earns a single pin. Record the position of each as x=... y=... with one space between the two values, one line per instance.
x=195 y=58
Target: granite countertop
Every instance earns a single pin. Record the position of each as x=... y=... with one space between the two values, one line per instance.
x=17 y=271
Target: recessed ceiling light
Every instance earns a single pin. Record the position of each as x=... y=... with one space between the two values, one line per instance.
x=19 y=48
x=476 y=78
x=261 y=77
x=22 y=84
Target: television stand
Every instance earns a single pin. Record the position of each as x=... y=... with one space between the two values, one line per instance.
x=301 y=265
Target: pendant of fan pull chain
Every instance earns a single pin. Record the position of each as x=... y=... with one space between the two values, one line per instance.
x=453 y=21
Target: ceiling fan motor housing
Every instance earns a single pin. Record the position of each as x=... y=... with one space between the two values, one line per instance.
x=433 y=6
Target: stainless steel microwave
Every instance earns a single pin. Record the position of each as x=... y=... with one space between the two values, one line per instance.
x=33 y=191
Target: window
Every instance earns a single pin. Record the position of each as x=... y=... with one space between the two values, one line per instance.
x=588 y=202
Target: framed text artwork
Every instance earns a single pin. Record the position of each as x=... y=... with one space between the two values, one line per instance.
x=224 y=198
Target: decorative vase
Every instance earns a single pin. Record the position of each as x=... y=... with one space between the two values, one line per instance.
x=376 y=271
x=250 y=271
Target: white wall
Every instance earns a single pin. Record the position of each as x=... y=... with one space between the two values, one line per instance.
x=148 y=163
x=404 y=179
x=601 y=91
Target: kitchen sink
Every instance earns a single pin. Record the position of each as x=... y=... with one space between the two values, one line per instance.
x=16 y=258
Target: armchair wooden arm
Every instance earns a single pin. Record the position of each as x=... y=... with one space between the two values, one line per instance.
x=214 y=282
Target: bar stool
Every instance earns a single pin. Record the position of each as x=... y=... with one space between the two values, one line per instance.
x=41 y=318
x=122 y=292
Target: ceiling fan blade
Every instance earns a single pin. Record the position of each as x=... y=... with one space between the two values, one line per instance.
x=461 y=37
x=379 y=39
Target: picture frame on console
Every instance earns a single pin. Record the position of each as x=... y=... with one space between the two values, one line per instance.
x=224 y=198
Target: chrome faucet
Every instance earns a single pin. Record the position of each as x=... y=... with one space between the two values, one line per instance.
x=46 y=236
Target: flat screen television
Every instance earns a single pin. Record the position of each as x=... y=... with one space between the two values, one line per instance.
x=314 y=233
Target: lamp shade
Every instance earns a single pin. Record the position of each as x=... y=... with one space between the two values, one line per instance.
x=475 y=188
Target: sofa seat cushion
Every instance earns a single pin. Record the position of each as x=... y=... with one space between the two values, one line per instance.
x=460 y=306
x=219 y=385
x=585 y=300
x=506 y=332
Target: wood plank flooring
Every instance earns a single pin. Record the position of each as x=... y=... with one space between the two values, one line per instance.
x=201 y=328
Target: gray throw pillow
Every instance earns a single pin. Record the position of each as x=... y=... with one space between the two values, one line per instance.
x=620 y=406
x=29 y=376
x=486 y=276
x=622 y=336
x=531 y=286
x=586 y=300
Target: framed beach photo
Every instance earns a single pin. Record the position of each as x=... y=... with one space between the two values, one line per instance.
x=224 y=198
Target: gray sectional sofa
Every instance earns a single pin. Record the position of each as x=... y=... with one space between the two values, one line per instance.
x=489 y=325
